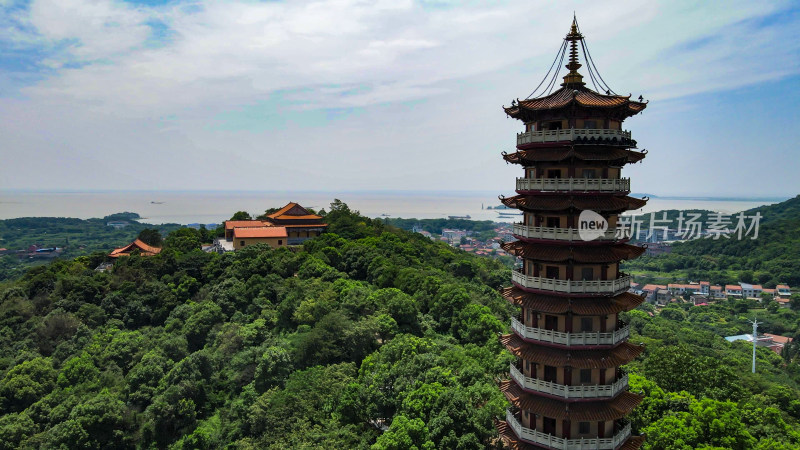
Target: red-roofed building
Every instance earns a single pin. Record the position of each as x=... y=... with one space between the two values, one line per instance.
x=231 y=224
x=733 y=290
x=300 y=223
x=783 y=290
x=137 y=245
x=274 y=236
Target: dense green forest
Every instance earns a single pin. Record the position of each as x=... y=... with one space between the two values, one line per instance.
x=770 y=259
x=370 y=336
x=77 y=237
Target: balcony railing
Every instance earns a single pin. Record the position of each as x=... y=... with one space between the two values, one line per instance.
x=571 y=392
x=574 y=184
x=552 y=441
x=557 y=234
x=571 y=339
x=571 y=134
x=572 y=286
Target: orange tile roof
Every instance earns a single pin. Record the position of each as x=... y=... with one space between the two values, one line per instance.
x=733 y=287
x=782 y=286
x=230 y=224
x=144 y=249
x=778 y=338
x=293 y=211
x=260 y=232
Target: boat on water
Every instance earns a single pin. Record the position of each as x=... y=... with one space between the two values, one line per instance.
x=467 y=217
x=504 y=214
x=156 y=203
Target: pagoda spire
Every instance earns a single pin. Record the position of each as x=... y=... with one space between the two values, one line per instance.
x=573 y=78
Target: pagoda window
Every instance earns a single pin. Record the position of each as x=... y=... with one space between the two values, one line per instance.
x=586 y=376
x=551 y=322
x=587 y=273
x=590 y=124
x=549 y=425
x=553 y=222
x=551 y=271
x=554 y=173
x=589 y=173
x=587 y=323
x=554 y=125
x=550 y=374
x=584 y=427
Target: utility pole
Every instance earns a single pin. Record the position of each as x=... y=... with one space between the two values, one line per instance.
x=755 y=339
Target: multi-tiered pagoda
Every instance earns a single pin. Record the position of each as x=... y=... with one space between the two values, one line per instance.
x=566 y=388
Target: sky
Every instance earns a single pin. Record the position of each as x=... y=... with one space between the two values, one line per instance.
x=382 y=95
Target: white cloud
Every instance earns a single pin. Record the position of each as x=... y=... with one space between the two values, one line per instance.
x=98 y=28
x=464 y=59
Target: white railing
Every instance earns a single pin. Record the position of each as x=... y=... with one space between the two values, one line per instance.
x=574 y=184
x=570 y=134
x=572 y=286
x=557 y=234
x=537 y=437
x=582 y=338
x=560 y=390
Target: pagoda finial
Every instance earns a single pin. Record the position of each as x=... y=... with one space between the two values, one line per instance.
x=573 y=78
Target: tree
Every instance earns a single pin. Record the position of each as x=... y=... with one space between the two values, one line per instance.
x=241 y=215
x=183 y=240
x=404 y=433
x=26 y=382
x=150 y=236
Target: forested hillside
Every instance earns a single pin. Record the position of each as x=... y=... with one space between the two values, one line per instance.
x=77 y=237
x=770 y=259
x=370 y=337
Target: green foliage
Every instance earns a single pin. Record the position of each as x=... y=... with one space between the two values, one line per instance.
x=368 y=327
x=768 y=260
x=260 y=348
x=150 y=236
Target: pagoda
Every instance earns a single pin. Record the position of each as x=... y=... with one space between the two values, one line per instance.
x=566 y=387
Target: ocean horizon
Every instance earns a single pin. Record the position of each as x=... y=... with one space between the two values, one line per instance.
x=195 y=206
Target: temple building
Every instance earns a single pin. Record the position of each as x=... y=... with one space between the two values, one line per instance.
x=566 y=387
x=273 y=236
x=290 y=225
x=135 y=246
x=300 y=223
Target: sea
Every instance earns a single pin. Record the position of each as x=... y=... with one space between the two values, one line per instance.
x=212 y=207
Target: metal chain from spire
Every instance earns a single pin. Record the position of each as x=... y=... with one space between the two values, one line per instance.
x=557 y=60
x=593 y=72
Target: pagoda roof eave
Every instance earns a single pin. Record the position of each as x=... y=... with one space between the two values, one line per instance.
x=531 y=157
x=610 y=204
x=591 y=306
x=555 y=253
x=602 y=410
x=576 y=96
x=580 y=359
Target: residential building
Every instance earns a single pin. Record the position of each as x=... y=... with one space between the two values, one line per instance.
x=733 y=290
x=783 y=290
x=751 y=290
